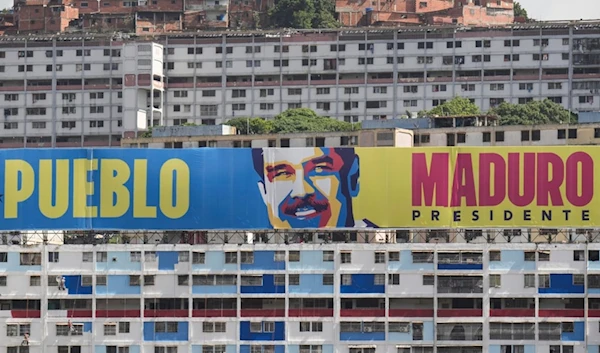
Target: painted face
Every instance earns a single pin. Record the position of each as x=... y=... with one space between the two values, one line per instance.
x=302 y=188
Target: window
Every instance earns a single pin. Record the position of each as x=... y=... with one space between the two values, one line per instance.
x=428 y=280
x=100 y=280
x=394 y=279
x=247 y=257
x=2 y=281
x=135 y=256
x=198 y=257
x=294 y=256
x=52 y=257
x=529 y=255
x=328 y=280
x=328 y=256
x=579 y=255
x=394 y=256
x=101 y=256
x=495 y=256
x=65 y=330
x=168 y=349
x=543 y=256
x=30 y=259
x=495 y=281
x=124 y=327
x=529 y=281
x=134 y=281
x=346 y=257
x=379 y=257
x=110 y=329
x=307 y=326
x=165 y=327
x=231 y=257
x=87 y=256
x=14 y=330
x=183 y=280
x=578 y=280
x=183 y=256
x=148 y=280
x=279 y=256
x=251 y=280
x=213 y=327
x=544 y=281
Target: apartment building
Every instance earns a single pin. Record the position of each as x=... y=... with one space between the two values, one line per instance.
x=88 y=90
x=301 y=292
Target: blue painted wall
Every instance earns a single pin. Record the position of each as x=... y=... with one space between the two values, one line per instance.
x=311 y=284
x=362 y=336
x=122 y=262
x=400 y=337
x=406 y=263
x=264 y=260
x=311 y=260
x=362 y=283
x=245 y=348
x=562 y=284
x=512 y=260
x=578 y=334
x=428 y=331
x=594 y=265
x=462 y=267
x=295 y=348
x=118 y=285
x=268 y=287
x=591 y=349
x=87 y=327
x=167 y=260
x=132 y=349
x=13 y=264
x=73 y=284
x=180 y=335
x=230 y=348
x=214 y=261
x=246 y=335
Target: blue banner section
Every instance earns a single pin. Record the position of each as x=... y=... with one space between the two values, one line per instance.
x=167 y=189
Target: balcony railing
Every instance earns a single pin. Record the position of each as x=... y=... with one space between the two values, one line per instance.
x=310 y=312
x=561 y=313
x=512 y=312
x=362 y=312
x=410 y=312
x=166 y=313
x=214 y=313
x=116 y=313
x=460 y=312
x=262 y=313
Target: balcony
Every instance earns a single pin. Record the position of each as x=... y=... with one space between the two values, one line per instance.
x=460 y=284
x=252 y=307
x=166 y=307
x=561 y=307
x=118 y=308
x=459 y=332
x=214 y=307
x=512 y=307
x=75 y=308
x=362 y=307
x=305 y=307
x=460 y=307
x=410 y=307
x=21 y=309
x=460 y=261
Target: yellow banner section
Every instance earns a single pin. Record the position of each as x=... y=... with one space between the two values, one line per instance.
x=546 y=187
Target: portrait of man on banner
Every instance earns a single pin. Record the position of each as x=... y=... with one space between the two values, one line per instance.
x=309 y=187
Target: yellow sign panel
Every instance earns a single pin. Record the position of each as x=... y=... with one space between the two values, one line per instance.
x=550 y=187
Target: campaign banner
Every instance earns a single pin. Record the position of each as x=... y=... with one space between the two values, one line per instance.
x=299 y=188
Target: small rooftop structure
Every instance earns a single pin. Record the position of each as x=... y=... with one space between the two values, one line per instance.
x=432 y=122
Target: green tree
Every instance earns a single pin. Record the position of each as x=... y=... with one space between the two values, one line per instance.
x=533 y=113
x=455 y=106
x=520 y=11
x=291 y=121
x=306 y=120
x=303 y=14
x=255 y=126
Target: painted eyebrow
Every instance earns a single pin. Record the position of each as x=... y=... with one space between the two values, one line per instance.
x=276 y=168
x=323 y=159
